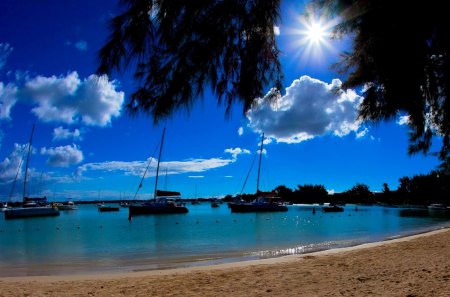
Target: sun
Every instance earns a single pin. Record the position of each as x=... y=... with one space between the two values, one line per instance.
x=312 y=36
x=316 y=33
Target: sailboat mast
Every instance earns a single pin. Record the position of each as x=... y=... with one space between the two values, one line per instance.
x=259 y=165
x=26 y=166
x=159 y=160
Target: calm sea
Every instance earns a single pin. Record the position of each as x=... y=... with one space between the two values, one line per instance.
x=86 y=240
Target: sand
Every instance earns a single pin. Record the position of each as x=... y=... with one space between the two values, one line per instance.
x=412 y=266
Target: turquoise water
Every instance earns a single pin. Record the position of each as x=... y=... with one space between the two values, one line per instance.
x=86 y=240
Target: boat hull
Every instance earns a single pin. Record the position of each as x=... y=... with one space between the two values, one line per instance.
x=249 y=207
x=108 y=208
x=333 y=209
x=156 y=209
x=28 y=212
x=67 y=207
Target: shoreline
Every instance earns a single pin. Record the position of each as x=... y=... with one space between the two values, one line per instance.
x=88 y=270
x=99 y=275
x=415 y=265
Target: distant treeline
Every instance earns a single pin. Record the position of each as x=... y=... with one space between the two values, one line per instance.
x=417 y=190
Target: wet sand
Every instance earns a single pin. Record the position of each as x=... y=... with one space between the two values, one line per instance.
x=412 y=266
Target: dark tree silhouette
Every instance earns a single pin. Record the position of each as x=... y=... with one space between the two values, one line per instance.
x=311 y=193
x=401 y=54
x=284 y=192
x=360 y=193
x=179 y=47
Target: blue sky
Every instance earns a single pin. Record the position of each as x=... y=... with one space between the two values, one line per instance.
x=86 y=146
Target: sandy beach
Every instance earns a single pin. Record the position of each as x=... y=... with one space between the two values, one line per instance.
x=418 y=265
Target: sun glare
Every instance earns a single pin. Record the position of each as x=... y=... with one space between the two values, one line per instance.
x=312 y=37
x=315 y=33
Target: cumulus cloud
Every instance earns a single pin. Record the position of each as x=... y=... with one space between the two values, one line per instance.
x=63 y=156
x=240 y=131
x=68 y=99
x=7 y=100
x=310 y=108
x=61 y=133
x=11 y=164
x=236 y=151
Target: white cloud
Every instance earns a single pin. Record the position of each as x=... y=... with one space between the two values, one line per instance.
x=137 y=168
x=196 y=176
x=10 y=165
x=7 y=100
x=60 y=133
x=240 y=131
x=362 y=133
x=195 y=165
x=228 y=176
x=67 y=99
x=236 y=151
x=310 y=108
x=63 y=156
x=81 y=45
x=403 y=120
x=5 y=50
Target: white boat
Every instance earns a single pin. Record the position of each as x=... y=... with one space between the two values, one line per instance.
x=3 y=206
x=31 y=207
x=124 y=204
x=437 y=206
x=69 y=205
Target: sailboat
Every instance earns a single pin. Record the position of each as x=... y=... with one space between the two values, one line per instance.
x=31 y=207
x=264 y=201
x=165 y=202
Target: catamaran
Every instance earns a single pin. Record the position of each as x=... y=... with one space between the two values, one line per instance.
x=264 y=201
x=31 y=207
x=165 y=202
